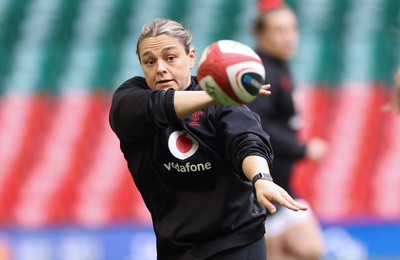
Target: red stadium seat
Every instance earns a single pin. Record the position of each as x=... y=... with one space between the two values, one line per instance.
x=23 y=120
x=313 y=105
x=349 y=119
x=384 y=195
x=65 y=165
x=60 y=164
x=107 y=193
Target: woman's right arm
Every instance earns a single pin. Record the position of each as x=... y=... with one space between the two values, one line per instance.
x=188 y=102
x=138 y=112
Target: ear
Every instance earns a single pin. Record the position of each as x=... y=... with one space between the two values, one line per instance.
x=192 y=57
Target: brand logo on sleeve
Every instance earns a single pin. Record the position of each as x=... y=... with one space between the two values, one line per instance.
x=182 y=145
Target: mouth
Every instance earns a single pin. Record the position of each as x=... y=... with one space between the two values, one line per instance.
x=164 y=81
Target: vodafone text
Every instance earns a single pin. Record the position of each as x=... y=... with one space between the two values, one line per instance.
x=188 y=167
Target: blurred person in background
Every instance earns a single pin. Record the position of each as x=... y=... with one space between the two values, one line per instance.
x=288 y=236
x=192 y=159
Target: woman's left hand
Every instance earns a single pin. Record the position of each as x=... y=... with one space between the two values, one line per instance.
x=268 y=192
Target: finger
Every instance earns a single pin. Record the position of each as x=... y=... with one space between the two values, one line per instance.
x=264 y=92
x=284 y=202
x=300 y=206
x=288 y=198
x=267 y=204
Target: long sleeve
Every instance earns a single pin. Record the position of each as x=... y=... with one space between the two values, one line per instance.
x=242 y=139
x=283 y=138
x=137 y=112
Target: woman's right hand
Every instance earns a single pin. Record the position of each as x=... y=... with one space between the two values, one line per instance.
x=264 y=90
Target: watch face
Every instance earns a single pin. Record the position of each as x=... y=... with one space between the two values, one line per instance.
x=266 y=176
x=263 y=176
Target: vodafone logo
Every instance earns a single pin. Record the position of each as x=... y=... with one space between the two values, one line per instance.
x=182 y=145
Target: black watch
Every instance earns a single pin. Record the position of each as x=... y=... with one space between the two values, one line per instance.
x=263 y=176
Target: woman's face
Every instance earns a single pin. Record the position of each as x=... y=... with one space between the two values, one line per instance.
x=165 y=63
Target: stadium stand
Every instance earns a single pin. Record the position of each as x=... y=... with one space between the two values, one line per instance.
x=60 y=61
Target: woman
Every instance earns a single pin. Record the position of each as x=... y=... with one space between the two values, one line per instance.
x=290 y=235
x=192 y=159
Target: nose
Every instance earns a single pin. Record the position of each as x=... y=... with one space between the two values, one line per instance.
x=161 y=69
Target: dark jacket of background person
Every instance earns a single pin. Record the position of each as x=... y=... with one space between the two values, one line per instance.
x=278 y=119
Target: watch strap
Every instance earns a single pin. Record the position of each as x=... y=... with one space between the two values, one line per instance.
x=262 y=176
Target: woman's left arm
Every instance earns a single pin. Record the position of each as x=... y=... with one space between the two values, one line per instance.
x=266 y=190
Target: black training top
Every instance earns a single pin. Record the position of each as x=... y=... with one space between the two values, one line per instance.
x=278 y=119
x=189 y=171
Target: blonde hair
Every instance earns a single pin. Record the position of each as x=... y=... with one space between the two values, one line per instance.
x=169 y=27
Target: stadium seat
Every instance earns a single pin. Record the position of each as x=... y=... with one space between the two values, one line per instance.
x=22 y=123
x=385 y=180
x=107 y=193
x=60 y=163
x=343 y=178
x=314 y=107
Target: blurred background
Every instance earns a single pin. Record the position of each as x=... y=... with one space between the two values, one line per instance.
x=65 y=192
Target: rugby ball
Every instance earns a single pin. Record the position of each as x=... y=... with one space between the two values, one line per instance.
x=230 y=72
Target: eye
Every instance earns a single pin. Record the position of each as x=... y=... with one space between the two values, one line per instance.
x=171 y=58
x=149 y=62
